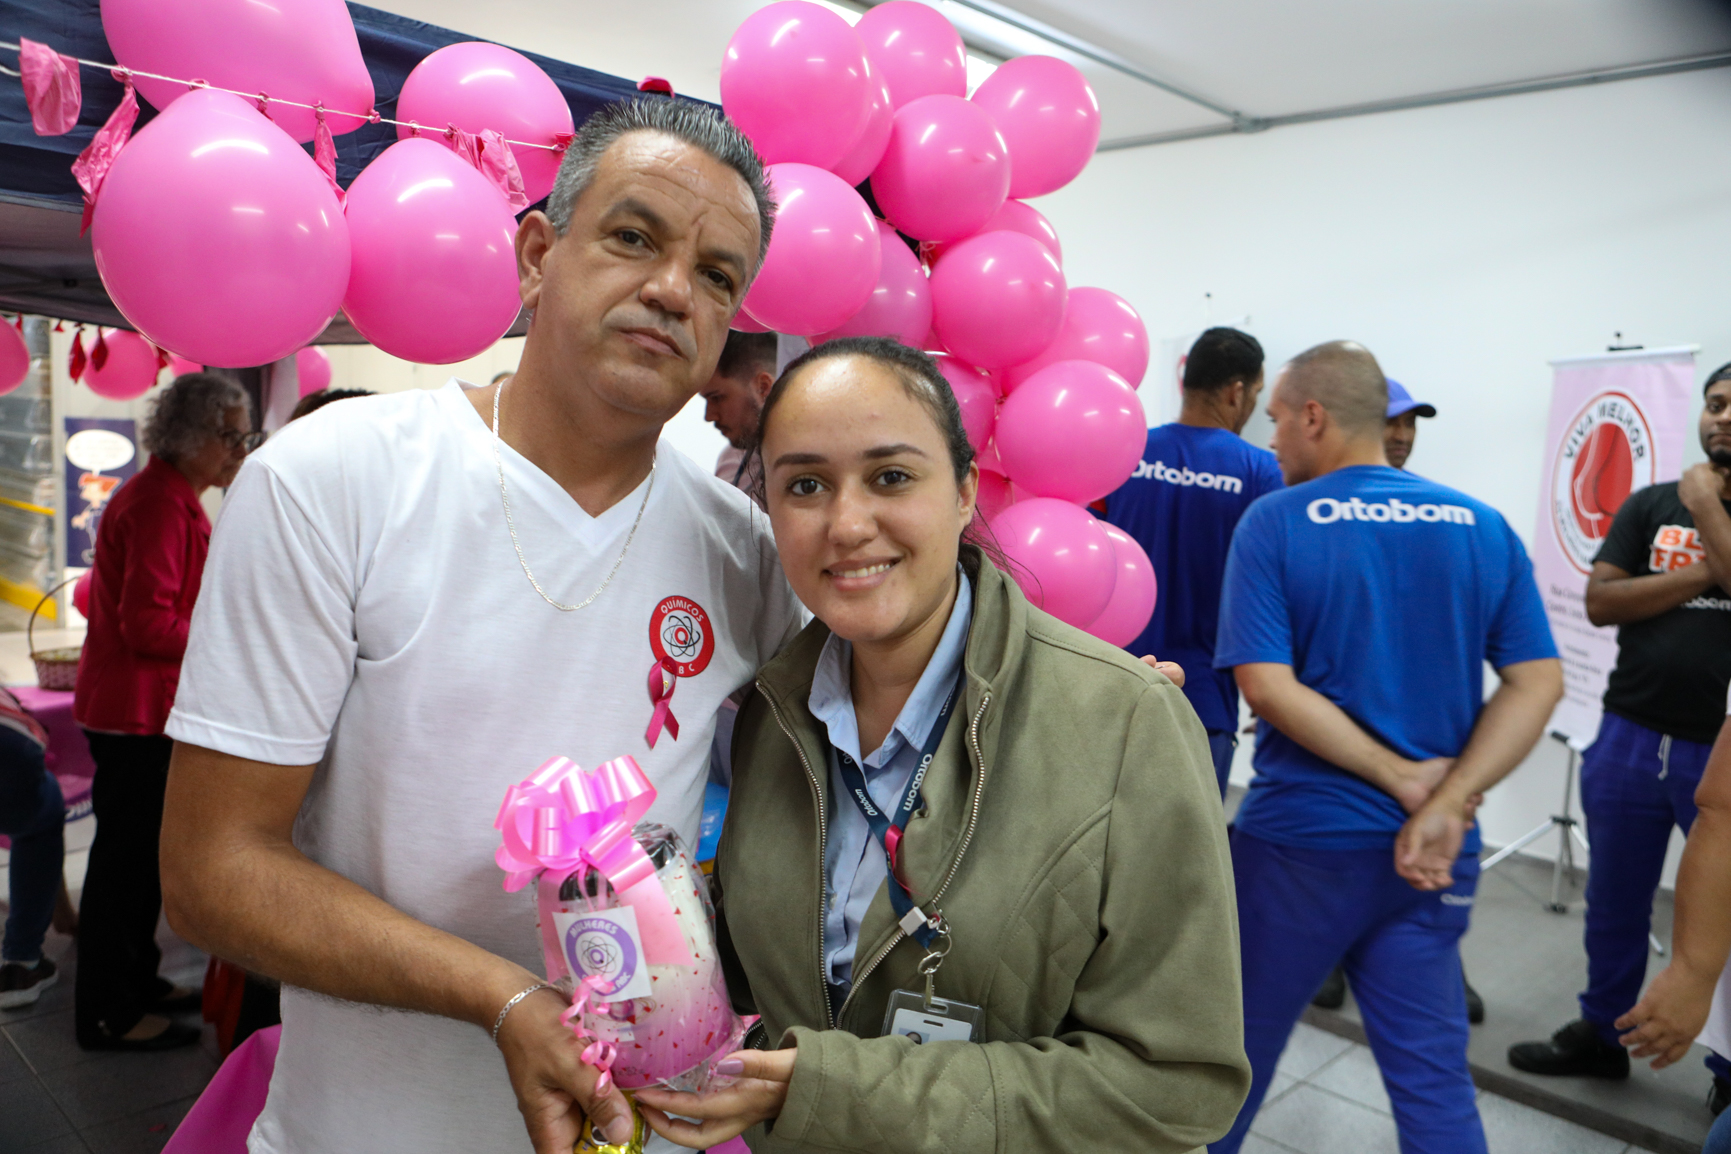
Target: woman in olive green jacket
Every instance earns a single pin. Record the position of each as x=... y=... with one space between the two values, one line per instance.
x=1063 y=868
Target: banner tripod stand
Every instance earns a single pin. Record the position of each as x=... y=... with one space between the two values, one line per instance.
x=1566 y=827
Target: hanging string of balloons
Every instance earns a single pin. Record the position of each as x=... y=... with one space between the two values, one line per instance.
x=954 y=261
x=222 y=242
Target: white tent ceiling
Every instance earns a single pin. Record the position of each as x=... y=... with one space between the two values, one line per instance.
x=1261 y=58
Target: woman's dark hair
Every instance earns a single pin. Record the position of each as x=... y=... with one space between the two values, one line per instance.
x=918 y=373
x=924 y=382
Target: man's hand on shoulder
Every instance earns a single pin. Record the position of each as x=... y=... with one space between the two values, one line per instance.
x=555 y=1088
x=1171 y=670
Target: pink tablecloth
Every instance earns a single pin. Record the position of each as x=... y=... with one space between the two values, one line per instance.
x=68 y=751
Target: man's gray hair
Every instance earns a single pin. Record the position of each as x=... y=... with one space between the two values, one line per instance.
x=1344 y=378
x=696 y=124
x=188 y=413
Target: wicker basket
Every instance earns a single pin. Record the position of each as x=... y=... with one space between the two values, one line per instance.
x=55 y=668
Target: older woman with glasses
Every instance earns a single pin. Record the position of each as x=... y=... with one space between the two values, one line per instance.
x=150 y=551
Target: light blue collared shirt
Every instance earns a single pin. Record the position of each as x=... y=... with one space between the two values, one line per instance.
x=850 y=879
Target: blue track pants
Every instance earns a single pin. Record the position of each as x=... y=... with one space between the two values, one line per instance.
x=1636 y=783
x=1301 y=912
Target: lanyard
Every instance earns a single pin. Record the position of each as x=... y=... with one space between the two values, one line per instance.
x=887 y=828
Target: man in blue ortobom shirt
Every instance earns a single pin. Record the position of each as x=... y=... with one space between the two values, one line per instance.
x=1359 y=608
x=1196 y=478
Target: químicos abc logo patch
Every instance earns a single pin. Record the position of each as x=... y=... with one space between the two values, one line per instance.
x=1606 y=453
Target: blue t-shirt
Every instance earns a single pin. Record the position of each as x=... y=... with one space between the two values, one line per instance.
x=1181 y=505
x=1386 y=593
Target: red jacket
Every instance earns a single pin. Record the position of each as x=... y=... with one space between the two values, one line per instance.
x=150 y=550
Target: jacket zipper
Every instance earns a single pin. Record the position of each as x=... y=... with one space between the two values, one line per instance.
x=860 y=975
x=822 y=849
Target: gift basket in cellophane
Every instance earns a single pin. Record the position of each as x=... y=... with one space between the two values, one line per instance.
x=627 y=931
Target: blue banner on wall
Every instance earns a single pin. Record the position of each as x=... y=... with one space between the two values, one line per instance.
x=101 y=452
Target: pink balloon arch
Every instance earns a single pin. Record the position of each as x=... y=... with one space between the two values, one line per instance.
x=14 y=358
x=313 y=367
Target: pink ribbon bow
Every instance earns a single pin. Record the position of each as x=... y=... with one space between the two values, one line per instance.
x=561 y=818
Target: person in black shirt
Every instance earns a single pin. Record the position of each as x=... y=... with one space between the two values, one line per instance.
x=1663 y=576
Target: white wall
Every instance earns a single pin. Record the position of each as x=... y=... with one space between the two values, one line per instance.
x=1464 y=245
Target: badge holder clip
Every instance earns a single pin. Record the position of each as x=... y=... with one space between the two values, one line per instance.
x=925 y=1017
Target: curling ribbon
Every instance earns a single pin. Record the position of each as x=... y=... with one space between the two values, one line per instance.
x=51 y=88
x=663 y=679
x=91 y=167
x=560 y=819
x=597 y=1053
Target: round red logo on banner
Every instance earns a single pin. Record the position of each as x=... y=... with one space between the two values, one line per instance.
x=1606 y=454
x=680 y=635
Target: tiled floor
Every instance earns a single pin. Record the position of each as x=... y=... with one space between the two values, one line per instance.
x=1327 y=1098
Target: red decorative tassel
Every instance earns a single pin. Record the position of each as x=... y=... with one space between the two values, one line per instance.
x=59 y=326
x=99 y=353
x=19 y=323
x=162 y=363
x=76 y=362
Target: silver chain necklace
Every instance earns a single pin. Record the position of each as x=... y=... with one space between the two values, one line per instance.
x=505 y=500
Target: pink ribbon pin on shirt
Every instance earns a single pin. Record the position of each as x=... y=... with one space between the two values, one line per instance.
x=663 y=679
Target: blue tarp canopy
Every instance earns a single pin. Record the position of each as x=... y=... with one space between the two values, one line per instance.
x=48 y=269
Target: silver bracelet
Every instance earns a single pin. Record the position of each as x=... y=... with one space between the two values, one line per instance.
x=506 y=1008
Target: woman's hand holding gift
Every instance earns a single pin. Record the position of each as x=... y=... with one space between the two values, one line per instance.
x=555 y=1089
x=757 y=1096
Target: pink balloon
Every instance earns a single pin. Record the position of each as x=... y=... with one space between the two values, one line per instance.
x=946 y=169
x=435 y=274
x=997 y=299
x=901 y=304
x=218 y=237
x=994 y=496
x=873 y=139
x=313 y=367
x=475 y=86
x=1099 y=326
x=743 y=323
x=15 y=358
x=795 y=80
x=1015 y=216
x=81 y=593
x=1074 y=430
x=1049 y=118
x=179 y=365
x=305 y=51
x=824 y=256
x=975 y=396
x=129 y=369
x=915 y=50
x=1060 y=556
x=988 y=459
x=1132 y=604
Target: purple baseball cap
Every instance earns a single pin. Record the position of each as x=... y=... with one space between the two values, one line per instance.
x=1400 y=401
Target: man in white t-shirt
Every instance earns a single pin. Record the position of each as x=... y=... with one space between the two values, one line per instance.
x=413 y=600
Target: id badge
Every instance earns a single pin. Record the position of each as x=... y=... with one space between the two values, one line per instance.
x=944 y=1021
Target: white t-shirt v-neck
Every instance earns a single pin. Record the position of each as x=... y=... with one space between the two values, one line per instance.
x=363 y=609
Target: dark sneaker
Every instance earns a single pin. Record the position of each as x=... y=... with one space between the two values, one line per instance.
x=1575 y=1049
x=1332 y=995
x=1718 y=1095
x=21 y=985
x=1475 y=1004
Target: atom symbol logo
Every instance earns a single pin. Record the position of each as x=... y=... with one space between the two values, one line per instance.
x=681 y=636
x=600 y=956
